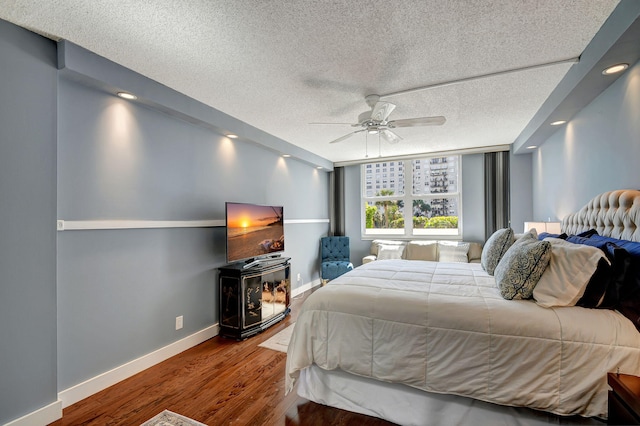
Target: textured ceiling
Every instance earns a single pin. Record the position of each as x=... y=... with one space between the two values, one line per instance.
x=281 y=65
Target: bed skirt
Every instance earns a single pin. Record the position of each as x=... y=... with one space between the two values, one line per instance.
x=408 y=406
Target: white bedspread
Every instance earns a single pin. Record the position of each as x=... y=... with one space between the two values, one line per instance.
x=444 y=328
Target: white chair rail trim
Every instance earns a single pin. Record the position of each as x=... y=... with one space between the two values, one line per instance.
x=79 y=225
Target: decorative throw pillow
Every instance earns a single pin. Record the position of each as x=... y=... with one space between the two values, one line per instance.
x=422 y=250
x=570 y=269
x=495 y=247
x=450 y=251
x=521 y=267
x=389 y=252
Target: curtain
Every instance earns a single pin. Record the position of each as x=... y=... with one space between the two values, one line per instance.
x=336 y=202
x=497 y=213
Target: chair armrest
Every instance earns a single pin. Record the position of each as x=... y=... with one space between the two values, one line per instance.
x=368 y=259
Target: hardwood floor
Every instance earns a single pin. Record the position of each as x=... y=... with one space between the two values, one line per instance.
x=219 y=382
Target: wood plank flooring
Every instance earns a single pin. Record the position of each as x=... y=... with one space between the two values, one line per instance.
x=219 y=382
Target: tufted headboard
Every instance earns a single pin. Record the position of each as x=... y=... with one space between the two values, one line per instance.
x=613 y=214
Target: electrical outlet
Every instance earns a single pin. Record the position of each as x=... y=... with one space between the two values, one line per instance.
x=299 y=277
x=179 y=322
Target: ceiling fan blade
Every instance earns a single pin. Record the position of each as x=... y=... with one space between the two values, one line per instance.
x=390 y=137
x=347 y=136
x=420 y=121
x=381 y=111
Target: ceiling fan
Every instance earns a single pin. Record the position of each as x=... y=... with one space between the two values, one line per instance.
x=376 y=121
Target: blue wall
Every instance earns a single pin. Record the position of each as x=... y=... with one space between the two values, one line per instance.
x=119 y=291
x=27 y=222
x=597 y=151
x=77 y=303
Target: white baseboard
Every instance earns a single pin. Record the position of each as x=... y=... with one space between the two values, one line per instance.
x=305 y=287
x=70 y=396
x=102 y=381
x=41 y=417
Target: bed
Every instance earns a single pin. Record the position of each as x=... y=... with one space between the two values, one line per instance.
x=417 y=342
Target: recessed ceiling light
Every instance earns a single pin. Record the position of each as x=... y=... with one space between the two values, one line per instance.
x=532 y=146
x=615 y=69
x=559 y=122
x=232 y=136
x=286 y=155
x=129 y=96
x=319 y=167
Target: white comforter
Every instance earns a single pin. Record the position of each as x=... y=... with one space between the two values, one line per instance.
x=443 y=327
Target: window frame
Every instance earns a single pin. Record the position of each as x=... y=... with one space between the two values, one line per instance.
x=408 y=232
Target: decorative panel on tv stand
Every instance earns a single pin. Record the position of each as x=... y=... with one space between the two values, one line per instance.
x=253 y=299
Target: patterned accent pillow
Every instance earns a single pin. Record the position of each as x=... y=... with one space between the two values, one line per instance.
x=495 y=247
x=521 y=268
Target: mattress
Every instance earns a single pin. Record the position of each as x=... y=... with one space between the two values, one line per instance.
x=444 y=328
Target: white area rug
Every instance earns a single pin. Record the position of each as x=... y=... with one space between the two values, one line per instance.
x=168 y=418
x=279 y=342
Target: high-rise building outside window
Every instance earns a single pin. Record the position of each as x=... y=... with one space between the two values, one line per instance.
x=432 y=202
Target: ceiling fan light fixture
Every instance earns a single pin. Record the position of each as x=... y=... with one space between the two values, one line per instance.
x=614 y=69
x=376 y=121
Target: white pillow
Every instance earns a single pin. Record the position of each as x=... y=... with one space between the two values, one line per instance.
x=450 y=251
x=390 y=252
x=564 y=281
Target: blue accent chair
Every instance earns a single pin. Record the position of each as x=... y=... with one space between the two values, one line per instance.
x=334 y=252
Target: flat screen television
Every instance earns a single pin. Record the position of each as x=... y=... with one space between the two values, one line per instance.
x=253 y=231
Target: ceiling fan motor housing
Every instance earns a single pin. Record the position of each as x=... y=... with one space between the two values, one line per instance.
x=372 y=100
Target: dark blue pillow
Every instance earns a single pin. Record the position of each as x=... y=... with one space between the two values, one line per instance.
x=610 y=278
x=587 y=241
x=622 y=276
x=632 y=247
x=622 y=288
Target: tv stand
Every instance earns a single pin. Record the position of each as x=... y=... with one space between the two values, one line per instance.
x=253 y=298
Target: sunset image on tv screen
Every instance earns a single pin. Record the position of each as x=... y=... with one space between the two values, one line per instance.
x=253 y=230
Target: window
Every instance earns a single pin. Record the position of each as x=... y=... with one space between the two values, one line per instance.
x=433 y=199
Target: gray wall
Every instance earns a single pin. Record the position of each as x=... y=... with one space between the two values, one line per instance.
x=119 y=291
x=27 y=222
x=597 y=151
